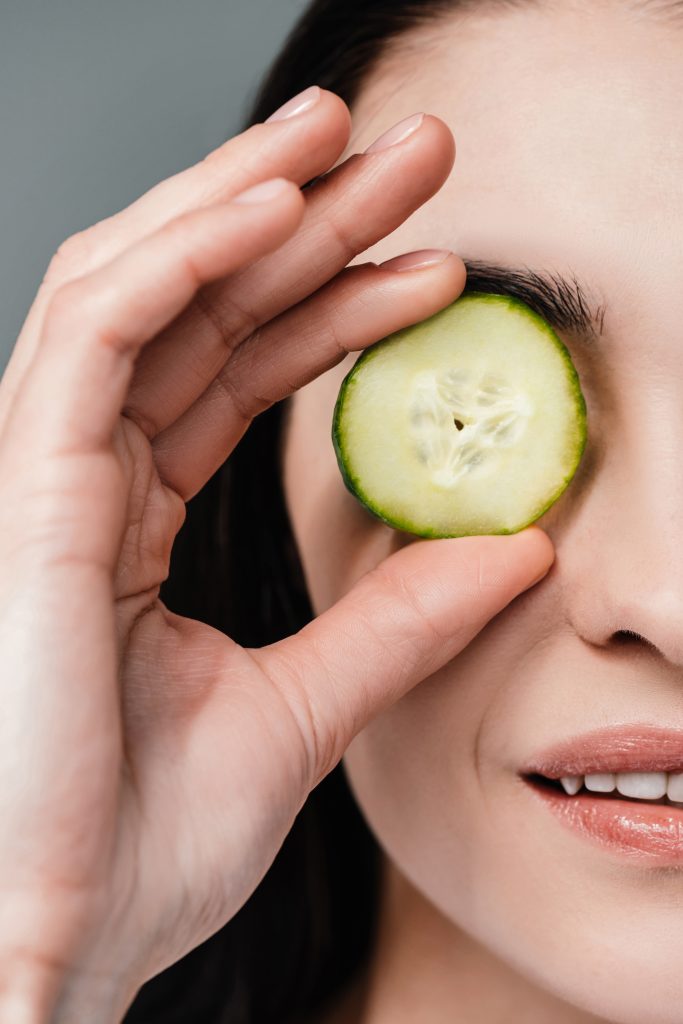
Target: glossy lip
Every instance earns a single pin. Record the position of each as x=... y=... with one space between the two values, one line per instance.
x=645 y=833
x=622 y=748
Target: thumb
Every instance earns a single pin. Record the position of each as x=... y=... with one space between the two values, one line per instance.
x=401 y=622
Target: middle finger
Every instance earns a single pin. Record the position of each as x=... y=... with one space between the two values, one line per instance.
x=352 y=207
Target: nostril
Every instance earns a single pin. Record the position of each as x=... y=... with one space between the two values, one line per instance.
x=629 y=636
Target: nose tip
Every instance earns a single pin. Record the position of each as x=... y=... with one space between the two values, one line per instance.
x=609 y=614
x=620 y=553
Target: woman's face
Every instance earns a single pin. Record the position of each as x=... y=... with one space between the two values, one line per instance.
x=569 y=140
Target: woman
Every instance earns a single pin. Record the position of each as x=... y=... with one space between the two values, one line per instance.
x=140 y=817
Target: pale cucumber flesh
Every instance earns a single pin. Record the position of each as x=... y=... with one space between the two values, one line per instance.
x=470 y=422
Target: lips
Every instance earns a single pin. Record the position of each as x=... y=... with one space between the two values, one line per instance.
x=646 y=831
x=637 y=748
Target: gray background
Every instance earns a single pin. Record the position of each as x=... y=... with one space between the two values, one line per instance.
x=100 y=99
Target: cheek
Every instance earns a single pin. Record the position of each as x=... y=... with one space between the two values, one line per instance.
x=435 y=777
x=413 y=772
x=338 y=540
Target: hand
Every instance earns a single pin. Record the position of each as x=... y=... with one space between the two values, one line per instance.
x=149 y=766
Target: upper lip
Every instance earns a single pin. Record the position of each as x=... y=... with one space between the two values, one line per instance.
x=622 y=748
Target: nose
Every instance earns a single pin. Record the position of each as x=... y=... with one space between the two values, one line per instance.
x=621 y=554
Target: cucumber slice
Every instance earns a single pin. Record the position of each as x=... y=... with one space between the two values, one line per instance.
x=470 y=422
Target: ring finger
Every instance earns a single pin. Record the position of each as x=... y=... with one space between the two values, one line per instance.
x=361 y=305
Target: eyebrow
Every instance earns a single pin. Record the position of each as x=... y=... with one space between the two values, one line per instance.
x=560 y=300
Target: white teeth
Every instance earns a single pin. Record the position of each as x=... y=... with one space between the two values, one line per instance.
x=604 y=782
x=674 y=790
x=641 y=785
x=646 y=785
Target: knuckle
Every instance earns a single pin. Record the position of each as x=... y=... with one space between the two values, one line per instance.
x=60 y=308
x=324 y=744
x=328 y=328
x=230 y=322
x=220 y=154
x=317 y=741
x=334 y=333
x=245 y=403
x=288 y=675
x=149 y=426
x=69 y=300
x=179 y=227
x=420 y=622
x=79 y=307
x=343 y=237
x=72 y=258
x=214 y=324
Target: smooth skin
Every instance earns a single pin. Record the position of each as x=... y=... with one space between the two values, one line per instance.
x=150 y=767
x=567 y=117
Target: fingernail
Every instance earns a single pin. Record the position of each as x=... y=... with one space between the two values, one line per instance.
x=416 y=260
x=303 y=101
x=262 y=192
x=398 y=133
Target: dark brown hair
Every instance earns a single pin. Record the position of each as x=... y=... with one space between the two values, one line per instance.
x=309 y=926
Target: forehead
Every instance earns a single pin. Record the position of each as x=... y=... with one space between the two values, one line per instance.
x=567 y=123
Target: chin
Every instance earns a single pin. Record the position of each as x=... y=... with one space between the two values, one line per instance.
x=587 y=916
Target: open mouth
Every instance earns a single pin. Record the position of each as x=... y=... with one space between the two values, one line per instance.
x=644 y=829
x=666 y=789
x=620 y=787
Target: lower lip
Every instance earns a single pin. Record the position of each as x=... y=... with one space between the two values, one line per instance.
x=648 y=833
